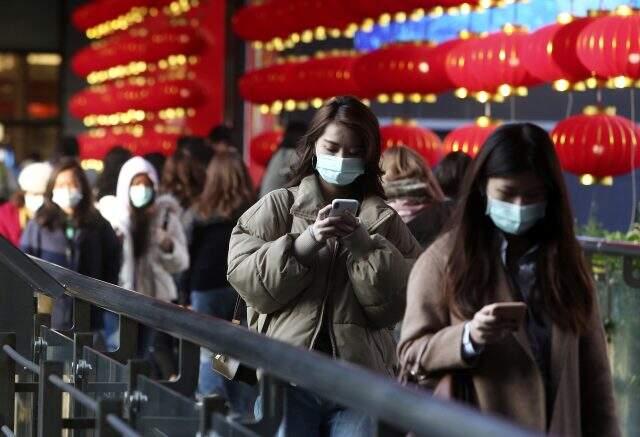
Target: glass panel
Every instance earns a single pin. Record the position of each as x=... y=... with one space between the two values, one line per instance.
x=165 y=412
x=11 y=94
x=619 y=304
x=107 y=378
x=42 y=94
x=59 y=348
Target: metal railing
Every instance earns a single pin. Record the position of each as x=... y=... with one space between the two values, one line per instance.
x=50 y=381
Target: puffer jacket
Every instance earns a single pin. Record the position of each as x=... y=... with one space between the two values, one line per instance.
x=360 y=296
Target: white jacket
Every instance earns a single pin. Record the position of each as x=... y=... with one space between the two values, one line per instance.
x=152 y=273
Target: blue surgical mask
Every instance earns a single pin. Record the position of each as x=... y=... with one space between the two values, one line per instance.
x=339 y=171
x=140 y=195
x=515 y=219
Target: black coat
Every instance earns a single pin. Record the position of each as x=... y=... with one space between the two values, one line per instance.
x=208 y=249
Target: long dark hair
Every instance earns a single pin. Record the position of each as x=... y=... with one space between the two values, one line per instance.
x=184 y=173
x=113 y=162
x=228 y=190
x=565 y=288
x=354 y=115
x=51 y=215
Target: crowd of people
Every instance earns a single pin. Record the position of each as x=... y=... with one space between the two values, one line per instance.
x=474 y=267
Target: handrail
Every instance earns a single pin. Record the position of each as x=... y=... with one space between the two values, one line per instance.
x=609 y=247
x=340 y=382
x=15 y=356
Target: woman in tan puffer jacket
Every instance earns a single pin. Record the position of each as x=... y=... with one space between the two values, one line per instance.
x=331 y=284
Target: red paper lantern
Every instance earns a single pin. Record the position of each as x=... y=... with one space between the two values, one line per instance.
x=263 y=146
x=405 y=68
x=610 y=46
x=595 y=143
x=422 y=140
x=551 y=53
x=316 y=78
x=136 y=45
x=469 y=138
x=113 y=98
x=489 y=63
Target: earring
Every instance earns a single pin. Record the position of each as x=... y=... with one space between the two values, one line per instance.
x=314 y=161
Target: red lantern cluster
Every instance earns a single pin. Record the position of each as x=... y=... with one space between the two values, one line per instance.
x=469 y=138
x=263 y=146
x=489 y=64
x=422 y=140
x=596 y=143
x=316 y=78
x=405 y=68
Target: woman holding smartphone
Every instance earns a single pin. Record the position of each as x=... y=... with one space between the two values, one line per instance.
x=333 y=283
x=546 y=367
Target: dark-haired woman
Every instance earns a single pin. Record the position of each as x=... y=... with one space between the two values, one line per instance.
x=513 y=241
x=67 y=230
x=154 y=243
x=227 y=194
x=330 y=283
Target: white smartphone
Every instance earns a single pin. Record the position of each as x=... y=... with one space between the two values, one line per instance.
x=342 y=206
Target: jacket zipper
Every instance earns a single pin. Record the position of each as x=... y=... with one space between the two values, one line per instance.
x=324 y=304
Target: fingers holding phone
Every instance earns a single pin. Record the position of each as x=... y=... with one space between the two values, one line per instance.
x=496 y=321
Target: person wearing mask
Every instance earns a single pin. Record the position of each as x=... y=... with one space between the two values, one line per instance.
x=227 y=194
x=67 y=230
x=108 y=179
x=154 y=246
x=544 y=365
x=33 y=182
x=450 y=173
x=414 y=193
x=330 y=283
x=278 y=173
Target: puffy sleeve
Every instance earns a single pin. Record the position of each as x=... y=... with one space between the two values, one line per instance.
x=379 y=275
x=261 y=264
x=177 y=260
x=428 y=341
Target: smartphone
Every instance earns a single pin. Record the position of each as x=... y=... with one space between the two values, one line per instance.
x=343 y=206
x=510 y=311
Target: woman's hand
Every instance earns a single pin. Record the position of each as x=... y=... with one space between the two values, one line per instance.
x=326 y=227
x=485 y=328
x=164 y=240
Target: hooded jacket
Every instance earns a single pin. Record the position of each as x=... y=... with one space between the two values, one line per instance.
x=356 y=297
x=151 y=273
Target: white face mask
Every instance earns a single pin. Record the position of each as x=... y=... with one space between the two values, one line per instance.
x=33 y=202
x=140 y=195
x=515 y=219
x=339 y=171
x=66 y=198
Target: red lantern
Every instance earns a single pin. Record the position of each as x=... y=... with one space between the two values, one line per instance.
x=596 y=143
x=405 y=68
x=422 y=140
x=469 y=138
x=551 y=53
x=490 y=63
x=136 y=45
x=113 y=98
x=263 y=146
x=331 y=76
x=610 y=46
